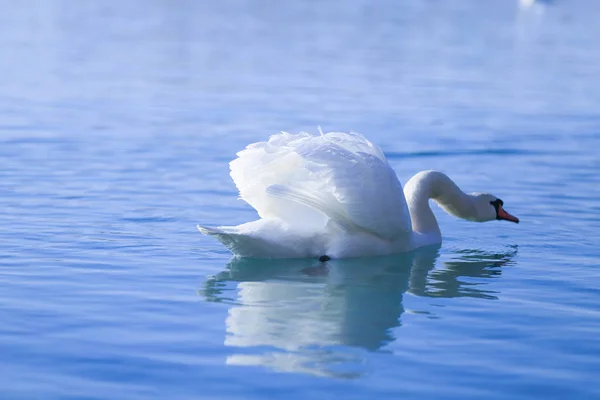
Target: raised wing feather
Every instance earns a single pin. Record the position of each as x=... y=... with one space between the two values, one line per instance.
x=306 y=179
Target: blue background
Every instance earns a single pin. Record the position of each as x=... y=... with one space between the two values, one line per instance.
x=117 y=123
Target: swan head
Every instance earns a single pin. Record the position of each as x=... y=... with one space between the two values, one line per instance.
x=488 y=207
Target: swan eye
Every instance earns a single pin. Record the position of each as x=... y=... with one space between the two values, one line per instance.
x=497 y=203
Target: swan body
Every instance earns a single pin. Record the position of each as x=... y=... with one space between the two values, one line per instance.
x=335 y=194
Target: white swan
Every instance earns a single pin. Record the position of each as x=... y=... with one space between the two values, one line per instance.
x=336 y=196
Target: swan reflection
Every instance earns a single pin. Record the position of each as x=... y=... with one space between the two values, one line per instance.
x=320 y=318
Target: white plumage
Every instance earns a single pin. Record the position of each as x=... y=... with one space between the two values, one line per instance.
x=330 y=194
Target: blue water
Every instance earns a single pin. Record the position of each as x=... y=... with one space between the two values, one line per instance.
x=118 y=120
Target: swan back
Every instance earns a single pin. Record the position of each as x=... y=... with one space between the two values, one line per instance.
x=307 y=180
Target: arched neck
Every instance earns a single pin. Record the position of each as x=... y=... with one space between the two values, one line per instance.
x=437 y=186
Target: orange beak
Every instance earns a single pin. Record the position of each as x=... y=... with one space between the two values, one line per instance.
x=506 y=216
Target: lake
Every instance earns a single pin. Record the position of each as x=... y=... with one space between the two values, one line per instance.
x=117 y=124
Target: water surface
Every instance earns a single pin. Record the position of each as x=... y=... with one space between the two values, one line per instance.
x=118 y=120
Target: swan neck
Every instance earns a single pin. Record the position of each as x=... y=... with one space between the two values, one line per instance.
x=437 y=186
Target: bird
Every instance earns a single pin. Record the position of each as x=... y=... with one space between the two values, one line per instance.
x=334 y=195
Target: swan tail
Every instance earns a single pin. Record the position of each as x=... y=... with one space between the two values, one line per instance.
x=265 y=239
x=209 y=231
x=240 y=244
